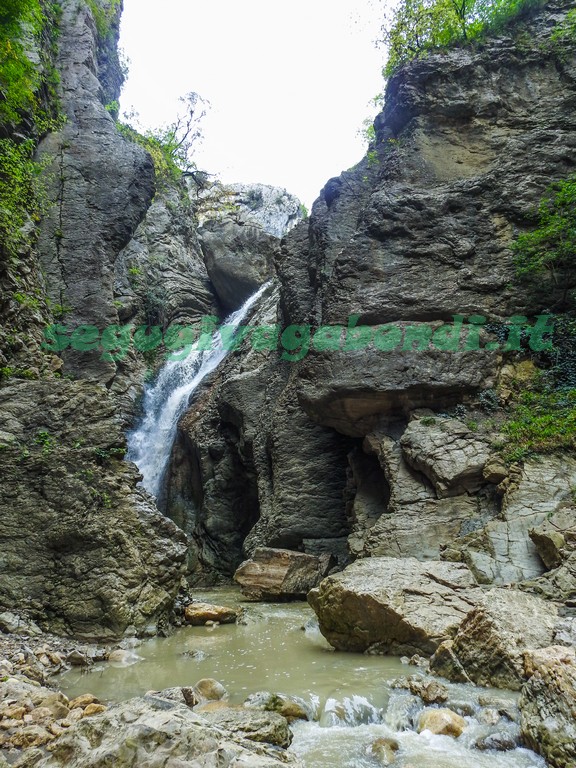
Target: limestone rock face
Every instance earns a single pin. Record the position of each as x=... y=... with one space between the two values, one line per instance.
x=150 y=731
x=83 y=549
x=447 y=453
x=240 y=227
x=101 y=185
x=160 y=276
x=271 y=209
x=489 y=644
x=248 y=462
x=410 y=520
x=394 y=605
x=239 y=259
x=547 y=705
x=276 y=574
x=503 y=551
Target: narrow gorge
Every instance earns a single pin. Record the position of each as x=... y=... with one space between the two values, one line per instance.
x=372 y=406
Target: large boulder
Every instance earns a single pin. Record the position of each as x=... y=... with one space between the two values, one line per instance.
x=398 y=606
x=548 y=714
x=277 y=574
x=488 y=647
x=151 y=732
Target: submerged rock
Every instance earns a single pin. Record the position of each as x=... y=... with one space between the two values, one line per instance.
x=274 y=574
x=547 y=705
x=398 y=606
x=443 y=722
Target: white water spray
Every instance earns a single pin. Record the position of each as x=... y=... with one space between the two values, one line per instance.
x=150 y=443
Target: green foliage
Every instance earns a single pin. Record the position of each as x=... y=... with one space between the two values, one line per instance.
x=104 y=13
x=20 y=20
x=303 y=211
x=565 y=31
x=551 y=246
x=22 y=23
x=21 y=196
x=171 y=147
x=541 y=422
x=419 y=26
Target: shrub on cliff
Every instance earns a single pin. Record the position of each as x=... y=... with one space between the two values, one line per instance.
x=418 y=26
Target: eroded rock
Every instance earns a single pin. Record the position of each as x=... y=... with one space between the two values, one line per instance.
x=398 y=606
x=488 y=646
x=273 y=574
x=548 y=717
x=445 y=450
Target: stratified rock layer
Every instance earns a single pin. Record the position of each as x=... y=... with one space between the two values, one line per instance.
x=489 y=644
x=276 y=574
x=83 y=550
x=548 y=718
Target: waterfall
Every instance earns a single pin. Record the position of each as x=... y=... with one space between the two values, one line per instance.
x=166 y=399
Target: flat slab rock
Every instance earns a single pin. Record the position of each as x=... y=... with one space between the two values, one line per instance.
x=280 y=574
x=394 y=605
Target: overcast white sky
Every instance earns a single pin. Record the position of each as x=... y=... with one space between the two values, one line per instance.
x=289 y=82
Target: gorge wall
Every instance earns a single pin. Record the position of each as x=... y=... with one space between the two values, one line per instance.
x=358 y=453
x=365 y=452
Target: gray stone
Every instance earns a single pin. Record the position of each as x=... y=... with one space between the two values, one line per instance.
x=548 y=723
x=397 y=606
x=152 y=732
x=489 y=644
x=450 y=456
x=82 y=547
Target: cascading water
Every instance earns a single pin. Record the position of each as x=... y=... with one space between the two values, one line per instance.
x=150 y=443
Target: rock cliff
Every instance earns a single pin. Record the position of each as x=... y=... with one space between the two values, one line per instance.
x=376 y=450
x=386 y=449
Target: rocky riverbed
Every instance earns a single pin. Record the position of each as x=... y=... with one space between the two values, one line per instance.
x=264 y=691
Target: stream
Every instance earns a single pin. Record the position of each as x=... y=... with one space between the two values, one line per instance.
x=278 y=648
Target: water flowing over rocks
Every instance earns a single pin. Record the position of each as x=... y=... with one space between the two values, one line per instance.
x=386 y=455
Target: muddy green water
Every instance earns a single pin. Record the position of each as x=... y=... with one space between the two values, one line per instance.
x=278 y=648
